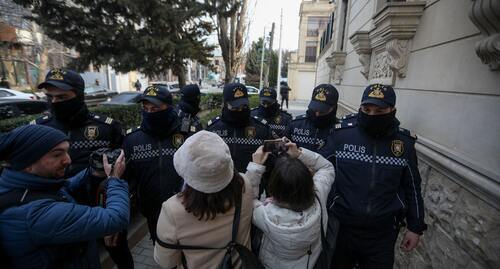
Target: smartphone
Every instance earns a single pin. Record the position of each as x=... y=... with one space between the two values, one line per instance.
x=275 y=146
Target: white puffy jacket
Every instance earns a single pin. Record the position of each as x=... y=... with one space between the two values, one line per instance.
x=289 y=235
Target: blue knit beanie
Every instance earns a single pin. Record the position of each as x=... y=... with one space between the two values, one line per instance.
x=25 y=145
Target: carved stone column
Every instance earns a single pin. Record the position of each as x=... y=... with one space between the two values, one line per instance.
x=395 y=27
x=336 y=63
x=485 y=14
x=361 y=42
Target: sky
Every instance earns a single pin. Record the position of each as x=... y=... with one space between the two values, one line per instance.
x=262 y=13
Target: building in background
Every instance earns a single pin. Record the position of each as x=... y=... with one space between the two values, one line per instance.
x=315 y=16
x=441 y=59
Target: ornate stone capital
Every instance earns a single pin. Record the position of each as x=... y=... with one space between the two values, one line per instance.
x=399 y=50
x=485 y=14
x=360 y=40
x=395 y=25
x=336 y=63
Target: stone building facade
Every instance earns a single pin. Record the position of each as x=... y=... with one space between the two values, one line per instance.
x=443 y=59
x=314 y=18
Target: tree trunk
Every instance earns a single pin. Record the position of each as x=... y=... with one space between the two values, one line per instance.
x=44 y=60
x=230 y=34
x=180 y=71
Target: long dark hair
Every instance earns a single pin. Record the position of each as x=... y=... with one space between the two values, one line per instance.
x=291 y=184
x=208 y=205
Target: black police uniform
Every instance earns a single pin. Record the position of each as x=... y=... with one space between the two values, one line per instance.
x=188 y=107
x=150 y=169
x=304 y=131
x=377 y=184
x=87 y=133
x=276 y=118
x=243 y=138
x=189 y=124
x=242 y=141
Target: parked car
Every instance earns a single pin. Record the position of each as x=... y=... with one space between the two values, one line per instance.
x=252 y=90
x=13 y=94
x=97 y=94
x=11 y=108
x=124 y=98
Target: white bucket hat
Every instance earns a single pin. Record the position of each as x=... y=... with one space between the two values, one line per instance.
x=204 y=162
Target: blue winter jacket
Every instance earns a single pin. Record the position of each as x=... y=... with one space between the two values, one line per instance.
x=30 y=233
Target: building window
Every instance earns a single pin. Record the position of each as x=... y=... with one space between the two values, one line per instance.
x=311 y=50
x=315 y=24
x=345 y=5
x=216 y=62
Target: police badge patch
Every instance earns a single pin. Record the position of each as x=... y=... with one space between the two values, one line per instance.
x=177 y=140
x=250 y=132
x=277 y=120
x=397 y=148
x=91 y=132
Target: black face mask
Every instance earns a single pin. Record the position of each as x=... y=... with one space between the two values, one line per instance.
x=236 y=118
x=378 y=125
x=324 y=121
x=70 y=110
x=270 y=110
x=191 y=108
x=159 y=123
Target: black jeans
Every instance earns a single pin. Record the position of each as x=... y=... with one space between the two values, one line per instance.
x=284 y=98
x=370 y=249
x=120 y=254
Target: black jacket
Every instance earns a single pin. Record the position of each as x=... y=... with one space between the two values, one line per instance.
x=303 y=132
x=150 y=168
x=375 y=178
x=278 y=122
x=242 y=141
x=87 y=134
x=189 y=124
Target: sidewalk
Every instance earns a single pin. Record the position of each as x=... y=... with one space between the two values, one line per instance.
x=143 y=255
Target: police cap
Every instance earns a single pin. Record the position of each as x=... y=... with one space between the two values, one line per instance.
x=63 y=79
x=157 y=95
x=379 y=95
x=324 y=97
x=236 y=94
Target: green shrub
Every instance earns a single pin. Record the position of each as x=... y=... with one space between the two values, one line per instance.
x=11 y=124
x=128 y=116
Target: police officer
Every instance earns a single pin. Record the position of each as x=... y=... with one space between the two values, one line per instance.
x=188 y=108
x=87 y=132
x=149 y=150
x=269 y=110
x=241 y=132
x=284 y=92
x=377 y=184
x=311 y=130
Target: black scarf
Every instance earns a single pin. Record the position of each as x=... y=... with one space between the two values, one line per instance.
x=236 y=118
x=192 y=109
x=324 y=121
x=270 y=111
x=378 y=126
x=160 y=123
x=72 y=112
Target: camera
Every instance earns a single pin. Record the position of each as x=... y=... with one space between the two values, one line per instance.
x=276 y=147
x=96 y=161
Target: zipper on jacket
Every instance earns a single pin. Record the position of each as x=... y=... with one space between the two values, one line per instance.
x=372 y=182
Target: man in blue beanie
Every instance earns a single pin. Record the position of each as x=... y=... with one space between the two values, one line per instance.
x=65 y=90
x=41 y=226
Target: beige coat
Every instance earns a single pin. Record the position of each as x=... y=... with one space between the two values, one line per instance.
x=176 y=225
